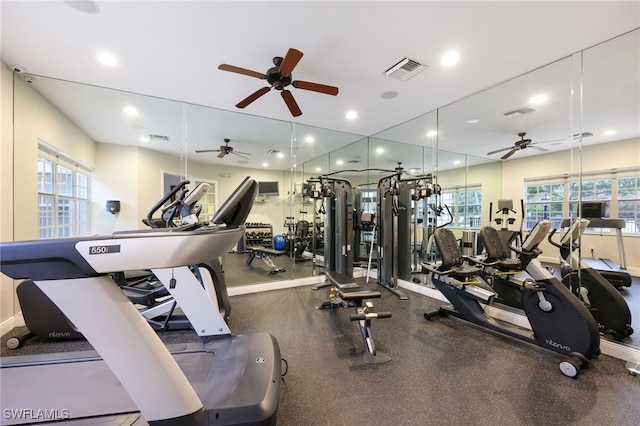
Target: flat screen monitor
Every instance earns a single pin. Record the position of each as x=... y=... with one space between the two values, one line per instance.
x=593 y=209
x=268 y=188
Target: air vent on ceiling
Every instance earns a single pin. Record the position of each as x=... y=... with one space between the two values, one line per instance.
x=353 y=161
x=404 y=69
x=519 y=112
x=273 y=151
x=582 y=135
x=161 y=137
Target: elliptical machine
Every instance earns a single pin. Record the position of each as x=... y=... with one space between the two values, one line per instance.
x=559 y=322
x=602 y=299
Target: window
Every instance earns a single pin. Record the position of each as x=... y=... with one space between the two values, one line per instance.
x=465 y=204
x=544 y=201
x=628 y=197
x=64 y=202
x=559 y=197
x=209 y=201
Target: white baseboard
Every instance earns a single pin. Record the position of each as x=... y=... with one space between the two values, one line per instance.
x=10 y=323
x=276 y=285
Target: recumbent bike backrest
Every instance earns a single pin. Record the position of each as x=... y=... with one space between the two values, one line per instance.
x=494 y=245
x=449 y=249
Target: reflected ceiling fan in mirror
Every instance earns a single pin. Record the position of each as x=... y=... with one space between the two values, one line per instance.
x=279 y=77
x=224 y=150
x=520 y=145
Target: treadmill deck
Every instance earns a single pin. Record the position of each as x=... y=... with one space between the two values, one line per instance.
x=236 y=378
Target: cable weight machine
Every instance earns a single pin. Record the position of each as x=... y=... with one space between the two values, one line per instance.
x=396 y=198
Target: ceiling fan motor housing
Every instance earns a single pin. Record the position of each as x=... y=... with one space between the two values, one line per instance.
x=277 y=80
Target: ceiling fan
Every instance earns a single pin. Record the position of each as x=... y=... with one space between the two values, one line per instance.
x=520 y=145
x=279 y=77
x=224 y=150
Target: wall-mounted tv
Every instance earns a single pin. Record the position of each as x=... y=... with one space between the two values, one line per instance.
x=268 y=188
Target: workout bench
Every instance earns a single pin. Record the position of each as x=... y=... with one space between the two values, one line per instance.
x=346 y=292
x=265 y=254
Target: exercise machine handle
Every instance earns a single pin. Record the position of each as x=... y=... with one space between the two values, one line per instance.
x=157 y=206
x=550 y=239
x=370 y=315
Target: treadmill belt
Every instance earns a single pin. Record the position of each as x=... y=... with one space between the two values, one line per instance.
x=78 y=389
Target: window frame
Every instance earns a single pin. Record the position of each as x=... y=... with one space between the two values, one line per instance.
x=64 y=205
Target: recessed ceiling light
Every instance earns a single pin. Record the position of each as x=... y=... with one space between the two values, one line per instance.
x=456 y=162
x=129 y=110
x=318 y=169
x=351 y=115
x=143 y=139
x=450 y=58
x=473 y=120
x=379 y=150
x=610 y=132
x=389 y=95
x=309 y=139
x=339 y=162
x=84 y=6
x=280 y=155
x=432 y=133
x=538 y=99
x=265 y=164
x=107 y=59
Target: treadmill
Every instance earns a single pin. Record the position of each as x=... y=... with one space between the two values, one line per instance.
x=131 y=378
x=616 y=274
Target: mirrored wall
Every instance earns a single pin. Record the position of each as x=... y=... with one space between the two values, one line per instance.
x=516 y=141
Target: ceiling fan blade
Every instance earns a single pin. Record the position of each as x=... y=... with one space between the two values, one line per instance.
x=290 y=61
x=238 y=154
x=222 y=154
x=499 y=150
x=538 y=148
x=244 y=71
x=200 y=151
x=554 y=140
x=243 y=153
x=509 y=154
x=315 y=87
x=291 y=103
x=252 y=97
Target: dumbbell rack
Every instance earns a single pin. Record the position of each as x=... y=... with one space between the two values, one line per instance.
x=256 y=234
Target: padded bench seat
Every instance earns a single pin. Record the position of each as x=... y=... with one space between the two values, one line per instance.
x=359 y=293
x=265 y=254
x=347 y=293
x=339 y=280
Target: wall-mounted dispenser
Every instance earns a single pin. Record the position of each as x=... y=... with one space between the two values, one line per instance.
x=113 y=206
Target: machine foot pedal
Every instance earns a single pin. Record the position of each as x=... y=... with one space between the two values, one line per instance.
x=379 y=358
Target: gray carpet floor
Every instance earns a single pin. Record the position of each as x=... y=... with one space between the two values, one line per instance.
x=441 y=372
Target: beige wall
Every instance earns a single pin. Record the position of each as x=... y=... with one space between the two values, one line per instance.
x=7 y=300
x=35 y=118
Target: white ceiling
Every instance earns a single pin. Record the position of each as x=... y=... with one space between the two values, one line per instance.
x=171 y=50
